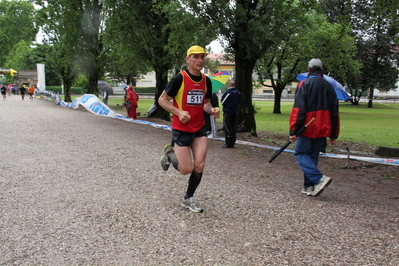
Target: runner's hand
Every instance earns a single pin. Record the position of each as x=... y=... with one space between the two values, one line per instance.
x=184 y=116
x=215 y=112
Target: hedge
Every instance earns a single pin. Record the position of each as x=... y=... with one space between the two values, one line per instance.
x=145 y=89
x=58 y=89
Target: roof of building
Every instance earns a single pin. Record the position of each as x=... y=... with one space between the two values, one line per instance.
x=220 y=58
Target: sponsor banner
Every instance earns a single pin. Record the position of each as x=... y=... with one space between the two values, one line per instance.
x=41 y=77
x=93 y=105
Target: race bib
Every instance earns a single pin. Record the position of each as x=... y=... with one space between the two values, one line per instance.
x=195 y=97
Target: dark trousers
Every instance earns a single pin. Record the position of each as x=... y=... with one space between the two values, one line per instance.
x=229 y=125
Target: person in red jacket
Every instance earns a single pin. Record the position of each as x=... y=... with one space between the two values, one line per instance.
x=315 y=98
x=132 y=98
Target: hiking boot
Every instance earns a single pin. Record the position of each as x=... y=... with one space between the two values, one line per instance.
x=324 y=182
x=308 y=191
x=165 y=163
x=190 y=204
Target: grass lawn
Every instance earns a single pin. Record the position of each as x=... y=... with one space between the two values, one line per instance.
x=377 y=126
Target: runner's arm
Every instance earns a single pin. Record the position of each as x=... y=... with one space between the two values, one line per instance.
x=165 y=102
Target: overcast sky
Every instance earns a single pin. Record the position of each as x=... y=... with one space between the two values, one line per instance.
x=215 y=47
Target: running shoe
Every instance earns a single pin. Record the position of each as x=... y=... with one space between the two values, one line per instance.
x=308 y=191
x=324 y=182
x=165 y=163
x=191 y=205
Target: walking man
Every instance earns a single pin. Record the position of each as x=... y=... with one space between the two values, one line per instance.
x=315 y=98
x=230 y=100
x=191 y=91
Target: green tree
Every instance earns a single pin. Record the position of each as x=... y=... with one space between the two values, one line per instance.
x=91 y=53
x=17 y=59
x=292 y=47
x=60 y=21
x=24 y=56
x=122 y=65
x=155 y=32
x=307 y=35
x=381 y=70
x=374 y=25
x=74 y=30
x=249 y=27
x=17 y=23
x=39 y=55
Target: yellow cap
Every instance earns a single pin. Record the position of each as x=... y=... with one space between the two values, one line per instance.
x=195 y=50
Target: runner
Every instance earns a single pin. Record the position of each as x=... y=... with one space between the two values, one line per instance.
x=191 y=92
x=22 y=91
x=31 y=91
x=3 y=91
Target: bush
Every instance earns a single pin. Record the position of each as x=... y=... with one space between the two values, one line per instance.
x=77 y=90
x=56 y=89
x=145 y=89
x=81 y=81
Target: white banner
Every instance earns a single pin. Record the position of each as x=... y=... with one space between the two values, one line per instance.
x=92 y=104
x=41 y=77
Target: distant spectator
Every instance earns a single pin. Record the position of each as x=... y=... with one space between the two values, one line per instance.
x=230 y=100
x=105 y=97
x=132 y=101
x=210 y=120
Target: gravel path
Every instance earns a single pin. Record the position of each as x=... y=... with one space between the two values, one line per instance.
x=81 y=189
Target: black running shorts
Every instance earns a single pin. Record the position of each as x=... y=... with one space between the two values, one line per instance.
x=184 y=139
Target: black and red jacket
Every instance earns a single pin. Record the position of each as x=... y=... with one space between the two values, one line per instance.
x=315 y=97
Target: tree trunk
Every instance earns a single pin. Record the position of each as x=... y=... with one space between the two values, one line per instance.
x=246 y=110
x=370 y=98
x=161 y=76
x=67 y=78
x=67 y=90
x=93 y=83
x=278 y=90
x=129 y=79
